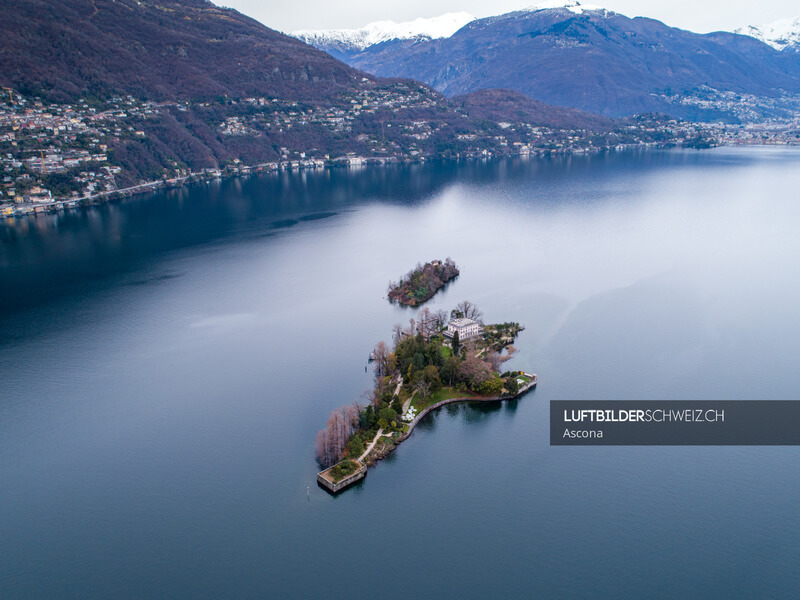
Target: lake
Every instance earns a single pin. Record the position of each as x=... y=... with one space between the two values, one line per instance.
x=166 y=362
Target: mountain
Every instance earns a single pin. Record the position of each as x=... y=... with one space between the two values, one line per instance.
x=783 y=34
x=589 y=58
x=158 y=49
x=106 y=95
x=343 y=43
x=511 y=106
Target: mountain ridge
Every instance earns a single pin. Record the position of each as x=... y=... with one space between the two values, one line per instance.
x=783 y=34
x=162 y=49
x=110 y=95
x=343 y=42
x=588 y=58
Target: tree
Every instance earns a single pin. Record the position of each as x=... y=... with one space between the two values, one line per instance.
x=381 y=354
x=426 y=325
x=396 y=405
x=468 y=310
x=440 y=318
x=418 y=362
x=512 y=385
x=449 y=370
x=495 y=361
x=433 y=355
x=456 y=344
x=423 y=389
x=430 y=375
x=367 y=419
x=397 y=333
x=387 y=415
x=491 y=387
x=332 y=440
x=473 y=370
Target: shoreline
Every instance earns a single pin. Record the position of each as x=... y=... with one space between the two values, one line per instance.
x=367 y=460
x=60 y=205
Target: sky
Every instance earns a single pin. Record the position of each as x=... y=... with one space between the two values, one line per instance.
x=696 y=15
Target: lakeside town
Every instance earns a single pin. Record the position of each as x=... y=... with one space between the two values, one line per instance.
x=55 y=157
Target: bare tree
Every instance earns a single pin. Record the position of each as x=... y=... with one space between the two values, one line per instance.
x=370 y=396
x=397 y=333
x=473 y=369
x=495 y=361
x=425 y=324
x=440 y=318
x=468 y=310
x=323 y=449
x=381 y=354
x=331 y=441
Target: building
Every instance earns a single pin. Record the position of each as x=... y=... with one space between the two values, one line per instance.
x=466 y=328
x=37 y=194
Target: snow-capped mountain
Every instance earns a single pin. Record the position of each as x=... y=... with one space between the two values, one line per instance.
x=586 y=57
x=349 y=41
x=782 y=34
x=571 y=5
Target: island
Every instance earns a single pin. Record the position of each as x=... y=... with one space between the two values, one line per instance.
x=438 y=359
x=421 y=283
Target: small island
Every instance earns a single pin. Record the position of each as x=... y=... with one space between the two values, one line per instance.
x=421 y=284
x=438 y=359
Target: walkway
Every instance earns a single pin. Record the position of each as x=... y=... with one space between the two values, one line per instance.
x=371 y=446
x=407 y=403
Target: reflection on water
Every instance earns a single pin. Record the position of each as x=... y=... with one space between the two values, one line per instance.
x=44 y=256
x=167 y=361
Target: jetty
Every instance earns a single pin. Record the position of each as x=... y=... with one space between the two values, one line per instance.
x=334 y=484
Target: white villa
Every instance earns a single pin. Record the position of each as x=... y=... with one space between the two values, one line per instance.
x=466 y=328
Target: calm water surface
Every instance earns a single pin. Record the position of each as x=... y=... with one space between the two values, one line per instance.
x=166 y=363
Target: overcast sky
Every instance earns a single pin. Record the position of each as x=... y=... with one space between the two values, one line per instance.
x=696 y=15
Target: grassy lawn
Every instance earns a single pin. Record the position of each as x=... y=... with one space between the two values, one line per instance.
x=443 y=394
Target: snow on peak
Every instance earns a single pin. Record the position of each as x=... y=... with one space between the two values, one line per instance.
x=782 y=34
x=382 y=31
x=571 y=5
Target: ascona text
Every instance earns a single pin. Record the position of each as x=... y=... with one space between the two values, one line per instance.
x=638 y=415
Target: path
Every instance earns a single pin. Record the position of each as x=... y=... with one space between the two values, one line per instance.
x=371 y=446
x=407 y=403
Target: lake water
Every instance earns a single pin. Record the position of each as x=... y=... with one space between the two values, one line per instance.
x=165 y=364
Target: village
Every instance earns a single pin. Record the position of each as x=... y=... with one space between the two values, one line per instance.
x=55 y=157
